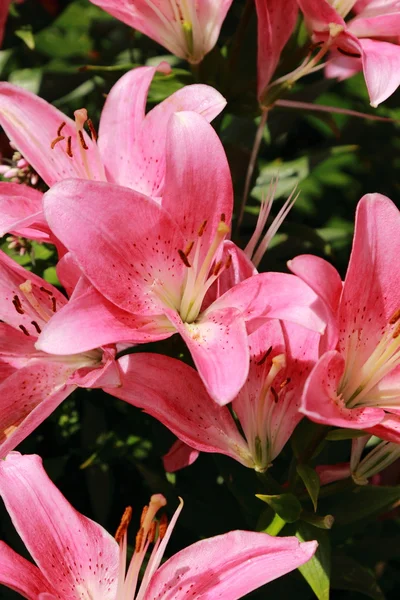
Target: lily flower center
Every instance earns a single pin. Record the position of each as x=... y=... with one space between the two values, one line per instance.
x=260 y=427
x=181 y=27
x=81 y=144
x=360 y=378
x=201 y=274
x=150 y=532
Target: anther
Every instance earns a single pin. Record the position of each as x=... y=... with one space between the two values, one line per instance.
x=17 y=305
x=183 y=258
x=124 y=524
x=162 y=526
x=93 y=132
x=396 y=332
x=143 y=515
x=217 y=268
x=228 y=261
x=59 y=130
x=395 y=317
x=82 y=140
x=264 y=358
x=69 y=147
x=59 y=138
x=202 y=228
x=223 y=218
x=151 y=534
x=36 y=326
x=275 y=395
x=347 y=53
x=24 y=330
x=188 y=248
x=43 y=289
x=139 y=540
x=284 y=383
x=53 y=304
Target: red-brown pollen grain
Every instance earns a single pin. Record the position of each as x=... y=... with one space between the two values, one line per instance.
x=202 y=228
x=228 y=261
x=183 y=258
x=24 y=330
x=223 y=218
x=93 y=132
x=139 y=539
x=17 y=305
x=162 y=526
x=69 y=147
x=189 y=248
x=59 y=130
x=82 y=140
x=284 y=383
x=264 y=357
x=275 y=395
x=43 y=289
x=143 y=515
x=217 y=268
x=36 y=326
x=124 y=524
x=395 y=317
x=396 y=332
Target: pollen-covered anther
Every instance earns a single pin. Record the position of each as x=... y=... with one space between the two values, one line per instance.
x=36 y=326
x=396 y=332
x=274 y=394
x=228 y=261
x=264 y=357
x=17 y=305
x=151 y=534
x=143 y=515
x=124 y=524
x=217 y=268
x=285 y=383
x=395 y=317
x=184 y=258
x=59 y=138
x=139 y=540
x=162 y=526
x=82 y=140
x=189 y=248
x=53 y=304
x=93 y=132
x=69 y=147
x=202 y=228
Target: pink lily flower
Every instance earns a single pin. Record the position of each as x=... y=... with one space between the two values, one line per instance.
x=187 y=28
x=276 y=21
x=368 y=42
x=355 y=384
x=158 y=262
x=76 y=558
x=267 y=406
x=129 y=150
x=33 y=383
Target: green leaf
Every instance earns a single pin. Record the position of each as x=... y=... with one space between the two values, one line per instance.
x=311 y=481
x=26 y=36
x=317 y=570
x=348 y=574
x=286 y=506
x=30 y=79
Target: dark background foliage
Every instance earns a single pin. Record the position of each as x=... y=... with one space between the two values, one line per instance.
x=104 y=454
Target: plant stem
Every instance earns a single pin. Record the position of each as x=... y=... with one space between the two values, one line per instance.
x=276 y=525
x=252 y=163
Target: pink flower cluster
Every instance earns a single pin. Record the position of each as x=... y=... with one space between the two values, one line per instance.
x=140 y=214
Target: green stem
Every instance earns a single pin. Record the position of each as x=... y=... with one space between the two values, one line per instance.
x=276 y=525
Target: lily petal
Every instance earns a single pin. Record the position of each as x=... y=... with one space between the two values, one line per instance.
x=20 y=575
x=228 y=566
x=195 y=179
x=381 y=65
x=173 y=393
x=321 y=402
x=124 y=247
x=75 y=554
x=218 y=344
x=21 y=212
x=180 y=455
